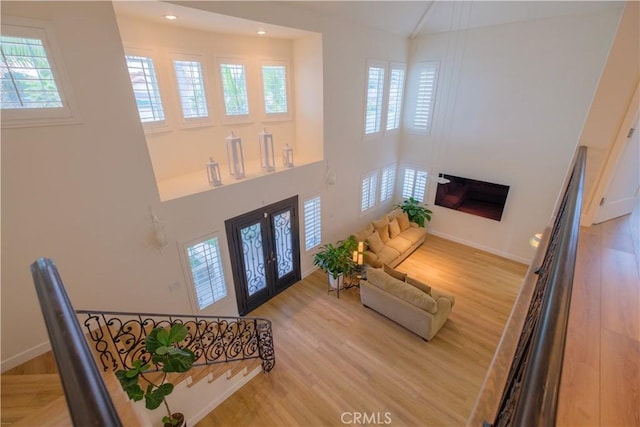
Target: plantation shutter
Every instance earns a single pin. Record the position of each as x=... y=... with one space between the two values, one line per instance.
x=312 y=223
x=375 y=96
x=387 y=182
x=426 y=94
x=369 y=187
x=145 y=88
x=396 y=87
x=206 y=272
x=191 y=89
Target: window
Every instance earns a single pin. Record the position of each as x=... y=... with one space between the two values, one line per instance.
x=32 y=80
x=191 y=89
x=234 y=89
x=205 y=263
x=145 y=88
x=428 y=72
x=369 y=189
x=27 y=78
x=387 y=182
x=312 y=223
x=414 y=184
x=274 y=85
x=396 y=88
x=375 y=98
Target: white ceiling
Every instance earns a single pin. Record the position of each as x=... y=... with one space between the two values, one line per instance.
x=406 y=18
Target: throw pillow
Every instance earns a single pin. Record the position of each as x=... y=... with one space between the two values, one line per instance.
x=382 y=227
x=374 y=242
x=418 y=284
x=395 y=273
x=394 y=228
x=401 y=290
x=403 y=221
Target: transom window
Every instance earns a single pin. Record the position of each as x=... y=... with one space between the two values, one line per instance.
x=207 y=275
x=274 y=83
x=145 y=88
x=26 y=75
x=396 y=90
x=234 y=88
x=414 y=184
x=312 y=223
x=375 y=98
x=191 y=89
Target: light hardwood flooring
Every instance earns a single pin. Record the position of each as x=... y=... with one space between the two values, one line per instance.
x=600 y=383
x=336 y=357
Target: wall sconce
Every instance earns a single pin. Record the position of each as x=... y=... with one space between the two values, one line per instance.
x=158 y=232
x=267 y=159
x=235 y=156
x=213 y=173
x=287 y=156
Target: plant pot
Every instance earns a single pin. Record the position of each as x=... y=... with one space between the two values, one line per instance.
x=182 y=422
x=336 y=283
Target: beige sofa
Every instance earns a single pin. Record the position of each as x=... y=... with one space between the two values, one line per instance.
x=390 y=239
x=411 y=303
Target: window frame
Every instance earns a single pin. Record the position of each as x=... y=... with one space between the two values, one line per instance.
x=273 y=117
x=416 y=171
x=193 y=122
x=28 y=117
x=394 y=168
x=188 y=272
x=157 y=125
x=420 y=66
x=317 y=228
x=372 y=63
x=239 y=118
x=395 y=66
x=371 y=197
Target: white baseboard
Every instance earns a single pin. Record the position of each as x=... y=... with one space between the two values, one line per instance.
x=309 y=271
x=481 y=247
x=25 y=356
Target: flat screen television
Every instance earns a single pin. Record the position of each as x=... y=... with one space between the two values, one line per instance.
x=474 y=197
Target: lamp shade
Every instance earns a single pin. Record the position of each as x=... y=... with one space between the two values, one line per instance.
x=235 y=156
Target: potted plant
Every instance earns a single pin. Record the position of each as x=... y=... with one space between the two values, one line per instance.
x=161 y=345
x=416 y=211
x=336 y=260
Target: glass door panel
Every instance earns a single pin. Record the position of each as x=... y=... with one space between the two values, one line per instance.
x=253 y=254
x=284 y=247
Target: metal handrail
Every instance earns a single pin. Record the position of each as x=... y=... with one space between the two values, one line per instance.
x=87 y=397
x=531 y=394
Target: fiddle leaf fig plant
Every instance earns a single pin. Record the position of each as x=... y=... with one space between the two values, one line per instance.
x=162 y=345
x=416 y=211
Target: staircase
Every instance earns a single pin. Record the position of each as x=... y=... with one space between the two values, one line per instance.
x=32 y=393
x=229 y=351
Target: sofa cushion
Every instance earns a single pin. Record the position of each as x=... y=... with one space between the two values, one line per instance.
x=387 y=255
x=400 y=244
x=382 y=227
x=362 y=235
x=418 y=284
x=401 y=290
x=403 y=221
x=374 y=243
x=413 y=234
x=395 y=273
x=394 y=228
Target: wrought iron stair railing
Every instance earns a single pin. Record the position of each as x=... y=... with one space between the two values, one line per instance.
x=118 y=337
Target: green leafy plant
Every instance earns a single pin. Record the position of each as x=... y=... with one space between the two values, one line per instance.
x=416 y=211
x=162 y=345
x=337 y=258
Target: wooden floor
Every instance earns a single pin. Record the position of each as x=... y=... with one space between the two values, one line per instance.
x=601 y=374
x=335 y=358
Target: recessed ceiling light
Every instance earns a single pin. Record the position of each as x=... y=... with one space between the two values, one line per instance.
x=171 y=17
x=261 y=32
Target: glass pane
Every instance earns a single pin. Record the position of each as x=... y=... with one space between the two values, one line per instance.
x=253 y=258
x=284 y=251
x=234 y=86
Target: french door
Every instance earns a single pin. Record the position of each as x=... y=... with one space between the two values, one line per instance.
x=265 y=252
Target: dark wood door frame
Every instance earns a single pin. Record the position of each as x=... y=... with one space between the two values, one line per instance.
x=275 y=285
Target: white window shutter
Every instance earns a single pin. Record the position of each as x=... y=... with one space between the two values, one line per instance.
x=423 y=116
x=234 y=88
x=312 y=223
x=145 y=88
x=414 y=184
x=369 y=189
x=375 y=97
x=396 y=90
x=191 y=89
x=274 y=82
x=207 y=274
x=387 y=182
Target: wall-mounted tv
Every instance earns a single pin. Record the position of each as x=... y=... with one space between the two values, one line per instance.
x=472 y=196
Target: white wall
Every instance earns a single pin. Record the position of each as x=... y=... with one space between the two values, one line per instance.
x=81 y=194
x=510 y=105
